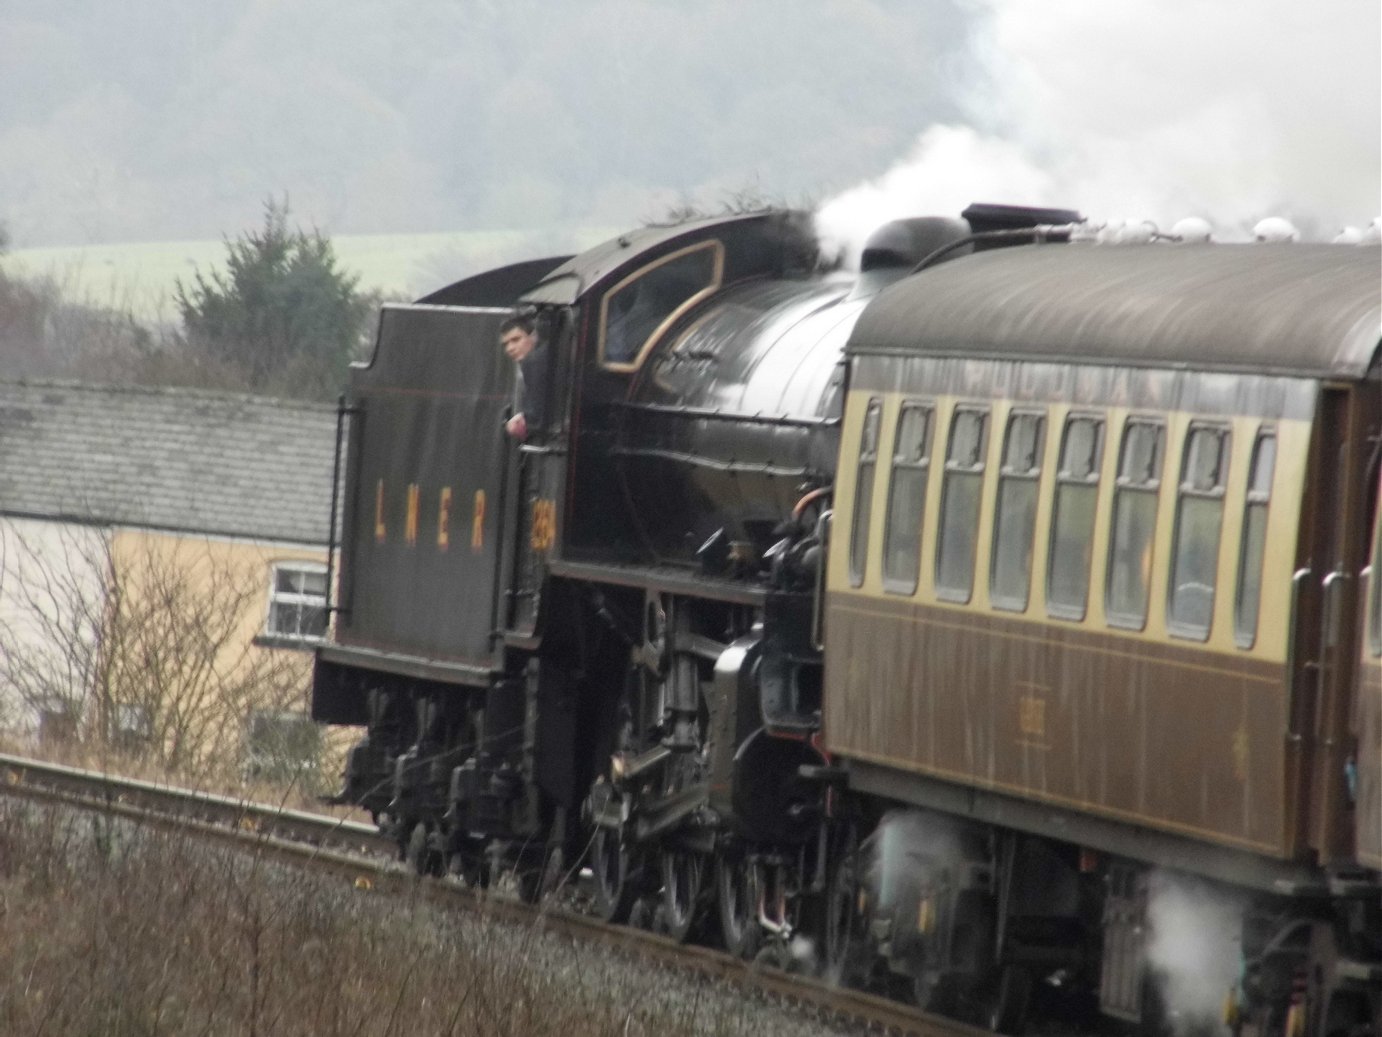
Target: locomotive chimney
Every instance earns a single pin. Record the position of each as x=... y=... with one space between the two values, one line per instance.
x=895 y=248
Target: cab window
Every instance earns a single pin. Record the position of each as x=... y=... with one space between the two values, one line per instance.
x=637 y=310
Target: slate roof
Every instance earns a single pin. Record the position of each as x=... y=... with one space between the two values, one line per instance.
x=169 y=459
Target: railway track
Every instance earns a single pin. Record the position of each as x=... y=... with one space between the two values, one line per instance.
x=359 y=854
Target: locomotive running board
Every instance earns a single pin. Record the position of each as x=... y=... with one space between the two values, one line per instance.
x=446 y=671
x=665 y=579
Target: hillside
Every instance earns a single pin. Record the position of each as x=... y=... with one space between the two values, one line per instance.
x=141 y=277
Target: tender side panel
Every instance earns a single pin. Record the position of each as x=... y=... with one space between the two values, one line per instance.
x=424 y=492
x=1022 y=667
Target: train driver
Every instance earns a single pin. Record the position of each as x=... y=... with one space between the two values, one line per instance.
x=518 y=336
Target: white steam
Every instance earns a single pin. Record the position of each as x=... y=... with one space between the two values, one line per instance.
x=1195 y=944
x=1153 y=109
x=909 y=846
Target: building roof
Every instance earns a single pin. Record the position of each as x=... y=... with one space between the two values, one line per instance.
x=171 y=459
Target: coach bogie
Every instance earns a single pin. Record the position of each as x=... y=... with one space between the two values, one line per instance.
x=967 y=918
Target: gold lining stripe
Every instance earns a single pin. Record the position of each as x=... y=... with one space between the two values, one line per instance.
x=1035 y=639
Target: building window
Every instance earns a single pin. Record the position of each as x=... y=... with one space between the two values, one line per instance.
x=863 y=493
x=58 y=722
x=1072 y=519
x=959 y=526
x=1199 y=525
x=297 y=601
x=280 y=746
x=131 y=726
x=1134 y=522
x=1015 y=523
x=907 y=498
x=1259 y=496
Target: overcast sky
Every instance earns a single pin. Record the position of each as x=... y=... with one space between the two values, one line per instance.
x=163 y=119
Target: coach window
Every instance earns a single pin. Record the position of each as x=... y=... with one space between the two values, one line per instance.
x=1072 y=519
x=959 y=528
x=907 y=498
x=645 y=303
x=1199 y=525
x=1134 y=522
x=863 y=493
x=1011 y=573
x=1249 y=596
x=1375 y=588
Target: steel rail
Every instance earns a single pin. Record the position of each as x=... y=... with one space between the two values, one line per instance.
x=23 y=776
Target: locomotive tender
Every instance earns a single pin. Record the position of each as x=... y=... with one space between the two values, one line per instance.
x=931 y=613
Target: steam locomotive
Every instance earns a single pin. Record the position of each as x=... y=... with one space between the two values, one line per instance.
x=933 y=619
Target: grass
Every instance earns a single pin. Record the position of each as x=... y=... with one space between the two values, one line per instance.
x=115 y=930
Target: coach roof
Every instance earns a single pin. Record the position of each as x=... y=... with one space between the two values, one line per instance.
x=1312 y=310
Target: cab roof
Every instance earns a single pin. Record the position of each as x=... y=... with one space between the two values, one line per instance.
x=774 y=237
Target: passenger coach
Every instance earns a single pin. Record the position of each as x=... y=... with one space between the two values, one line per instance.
x=1100 y=568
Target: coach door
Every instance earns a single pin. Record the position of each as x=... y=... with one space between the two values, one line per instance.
x=1327 y=602
x=1367 y=711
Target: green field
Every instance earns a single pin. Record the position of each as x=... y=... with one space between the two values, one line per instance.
x=141 y=278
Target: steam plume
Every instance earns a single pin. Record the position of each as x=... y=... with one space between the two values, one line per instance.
x=1153 y=109
x=1194 y=944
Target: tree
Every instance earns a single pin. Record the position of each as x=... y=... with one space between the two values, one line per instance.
x=283 y=313
x=141 y=645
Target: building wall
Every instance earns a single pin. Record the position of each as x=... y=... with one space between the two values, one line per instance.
x=152 y=640
x=51 y=601
x=208 y=601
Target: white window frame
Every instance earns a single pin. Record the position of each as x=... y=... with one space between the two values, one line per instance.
x=294 y=598
x=132 y=720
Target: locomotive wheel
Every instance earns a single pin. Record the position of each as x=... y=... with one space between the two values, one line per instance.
x=846 y=951
x=737 y=905
x=939 y=993
x=420 y=856
x=1008 y=1011
x=616 y=888
x=777 y=954
x=683 y=874
x=536 y=879
x=471 y=867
